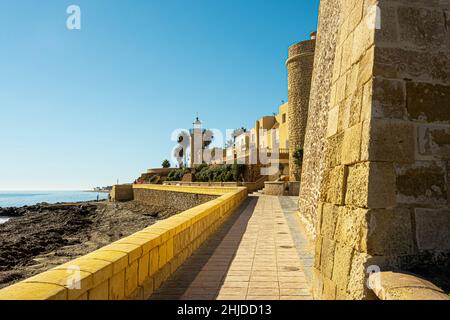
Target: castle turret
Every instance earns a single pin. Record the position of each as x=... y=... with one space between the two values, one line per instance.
x=300 y=67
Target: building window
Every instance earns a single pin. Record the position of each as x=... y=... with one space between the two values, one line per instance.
x=284 y=117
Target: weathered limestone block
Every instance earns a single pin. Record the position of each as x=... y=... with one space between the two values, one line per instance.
x=423 y=28
x=333 y=121
x=432 y=229
x=318 y=221
x=344 y=115
x=351 y=145
x=357 y=193
x=364 y=38
x=327 y=257
x=361 y=267
x=366 y=108
x=426 y=102
x=356 y=15
x=347 y=48
x=388 y=31
x=337 y=66
x=388 y=140
x=352 y=227
x=342 y=262
x=333 y=154
x=341 y=295
x=401 y=63
x=318 y=249
x=352 y=80
x=355 y=106
x=381 y=185
x=389 y=98
x=317 y=283
x=378 y=191
x=356 y=286
x=390 y=232
x=329 y=219
x=421 y=183
x=341 y=84
x=365 y=72
x=333 y=185
x=329 y=289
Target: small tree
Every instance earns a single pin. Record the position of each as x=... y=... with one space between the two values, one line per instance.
x=166 y=164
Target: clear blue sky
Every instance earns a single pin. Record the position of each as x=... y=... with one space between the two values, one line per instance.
x=84 y=108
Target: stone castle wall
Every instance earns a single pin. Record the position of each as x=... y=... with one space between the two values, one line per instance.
x=383 y=176
x=300 y=67
x=314 y=145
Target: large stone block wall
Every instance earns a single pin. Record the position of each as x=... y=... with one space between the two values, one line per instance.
x=409 y=131
x=300 y=67
x=384 y=192
x=315 y=140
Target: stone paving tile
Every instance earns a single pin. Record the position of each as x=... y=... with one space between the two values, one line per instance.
x=253 y=256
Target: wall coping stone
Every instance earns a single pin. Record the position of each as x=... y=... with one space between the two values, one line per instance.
x=403 y=286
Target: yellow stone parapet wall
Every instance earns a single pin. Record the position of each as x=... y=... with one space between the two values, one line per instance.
x=133 y=267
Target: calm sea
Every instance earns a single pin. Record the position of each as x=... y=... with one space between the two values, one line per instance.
x=28 y=198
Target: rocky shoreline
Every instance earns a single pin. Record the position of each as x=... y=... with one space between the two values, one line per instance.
x=15 y=212
x=42 y=236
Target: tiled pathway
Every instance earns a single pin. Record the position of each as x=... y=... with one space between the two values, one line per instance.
x=253 y=256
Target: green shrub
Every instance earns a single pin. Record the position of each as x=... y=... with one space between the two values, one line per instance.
x=222 y=173
x=177 y=174
x=206 y=173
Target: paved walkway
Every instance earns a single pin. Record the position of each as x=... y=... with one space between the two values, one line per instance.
x=252 y=256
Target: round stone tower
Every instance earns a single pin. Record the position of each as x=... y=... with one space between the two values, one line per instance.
x=300 y=68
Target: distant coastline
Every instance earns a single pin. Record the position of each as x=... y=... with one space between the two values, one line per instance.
x=30 y=198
